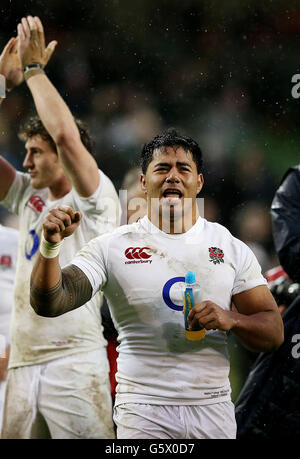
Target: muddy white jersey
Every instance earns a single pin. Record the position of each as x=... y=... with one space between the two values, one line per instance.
x=8 y=262
x=36 y=339
x=141 y=271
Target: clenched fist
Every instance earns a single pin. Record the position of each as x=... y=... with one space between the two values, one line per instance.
x=211 y=316
x=60 y=223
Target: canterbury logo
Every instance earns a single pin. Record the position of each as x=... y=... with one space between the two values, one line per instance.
x=137 y=255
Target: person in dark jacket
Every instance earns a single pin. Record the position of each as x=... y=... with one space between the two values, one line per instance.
x=269 y=403
x=286 y=222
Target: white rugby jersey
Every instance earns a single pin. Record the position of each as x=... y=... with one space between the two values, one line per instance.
x=141 y=271
x=8 y=262
x=36 y=339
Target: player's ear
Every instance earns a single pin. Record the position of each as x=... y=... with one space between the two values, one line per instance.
x=143 y=183
x=200 y=182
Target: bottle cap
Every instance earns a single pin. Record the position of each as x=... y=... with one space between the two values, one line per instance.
x=190 y=278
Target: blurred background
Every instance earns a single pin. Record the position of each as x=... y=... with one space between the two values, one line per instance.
x=220 y=72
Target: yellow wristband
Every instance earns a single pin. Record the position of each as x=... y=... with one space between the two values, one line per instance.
x=49 y=249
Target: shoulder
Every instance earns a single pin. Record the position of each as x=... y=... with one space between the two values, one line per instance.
x=10 y=232
x=98 y=247
x=217 y=230
x=105 y=188
x=289 y=189
x=104 y=201
x=121 y=231
x=292 y=171
x=221 y=235
x=21 y=188
x=9 y=237
x=113 y=237
x=106 y=184
x=23 y=177
x=290 y=179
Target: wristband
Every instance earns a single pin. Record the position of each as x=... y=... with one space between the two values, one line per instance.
x=49 y=249
x=32 y=66
x=32 y=70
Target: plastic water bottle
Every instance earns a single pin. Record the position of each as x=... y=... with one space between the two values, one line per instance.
x=191 y=296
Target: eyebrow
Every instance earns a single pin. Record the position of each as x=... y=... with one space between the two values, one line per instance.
x=178 y=163
x=33 y=149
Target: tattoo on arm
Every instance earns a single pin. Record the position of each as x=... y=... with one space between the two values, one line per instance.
x=72 y=290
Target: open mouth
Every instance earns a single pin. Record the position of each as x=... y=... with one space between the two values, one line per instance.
x=172 y=196
x=172 y=193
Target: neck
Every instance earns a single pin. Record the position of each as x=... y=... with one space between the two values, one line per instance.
x=60 y=189
x=170 y=225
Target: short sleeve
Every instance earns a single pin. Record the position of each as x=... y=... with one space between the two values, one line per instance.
x=248 y=273
x=91 y=259
x=17 y=193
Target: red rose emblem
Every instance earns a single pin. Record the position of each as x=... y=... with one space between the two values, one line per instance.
x=216 y=255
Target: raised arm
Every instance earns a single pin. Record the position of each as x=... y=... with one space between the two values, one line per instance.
x=55 y=291
x=11 y=71
x=79 y=165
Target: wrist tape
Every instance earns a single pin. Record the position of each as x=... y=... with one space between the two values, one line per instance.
x=49 y=249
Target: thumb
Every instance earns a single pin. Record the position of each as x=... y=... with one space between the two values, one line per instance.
x=14 y=48
x=8 y=47
x=77 y=216
x=49 y=50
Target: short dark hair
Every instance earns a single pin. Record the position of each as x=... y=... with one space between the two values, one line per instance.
x=171 y=138
x=34 y=126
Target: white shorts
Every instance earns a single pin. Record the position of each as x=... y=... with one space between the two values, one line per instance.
x=64 y=398
x=216 y=421
x=2 y=399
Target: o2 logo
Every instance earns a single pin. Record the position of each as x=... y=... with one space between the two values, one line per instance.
x=166 y=293
x=34 y=243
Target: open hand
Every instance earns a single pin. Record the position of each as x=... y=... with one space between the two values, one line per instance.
x=32 y=48
x=10 y=64
x=60 y=223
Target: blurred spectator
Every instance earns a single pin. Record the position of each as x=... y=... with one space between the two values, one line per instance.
x=135 y=204
x=253 y=226
x=286 y=222
x=252 y=177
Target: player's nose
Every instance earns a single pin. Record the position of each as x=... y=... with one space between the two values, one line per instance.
x=172 y=176
x=28 y=163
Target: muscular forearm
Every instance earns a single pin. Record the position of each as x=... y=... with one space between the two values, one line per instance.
x=44 y=283
x=52 y=109
x=259 y=332
x=54 y=291
x=79 y=165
